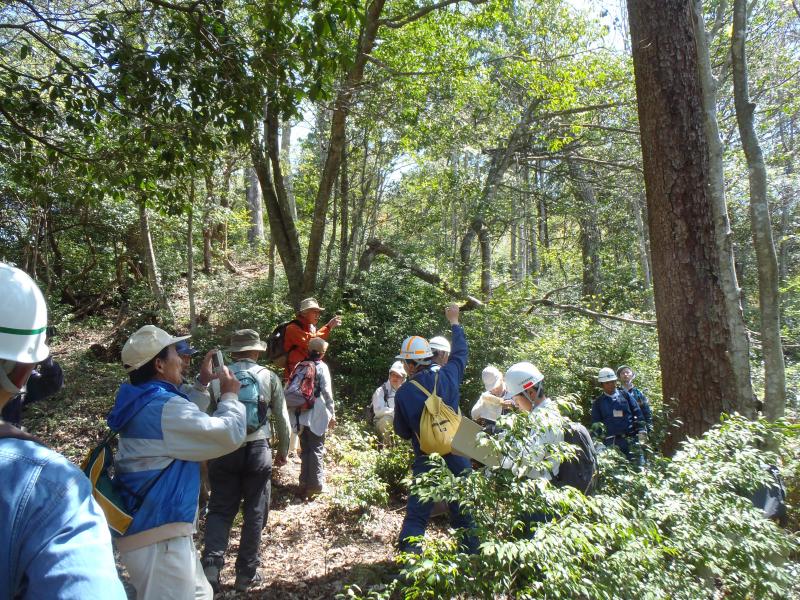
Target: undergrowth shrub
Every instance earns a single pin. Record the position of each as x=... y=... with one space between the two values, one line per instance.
x=679 y=528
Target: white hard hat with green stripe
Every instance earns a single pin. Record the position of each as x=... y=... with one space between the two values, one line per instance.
x=23 y=317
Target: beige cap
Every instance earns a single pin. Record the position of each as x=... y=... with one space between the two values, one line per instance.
x=144 y=344
x=243 y=340
x=317 y=344
x=397 y=367
x=491 y=376
x=308 y=304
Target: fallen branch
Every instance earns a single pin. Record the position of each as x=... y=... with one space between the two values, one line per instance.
x=589 y=313
x=375 y=247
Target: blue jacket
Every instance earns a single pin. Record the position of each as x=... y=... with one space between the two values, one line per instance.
x=161 y=430
x=644 y=405
x=54 y=540
x=409 y=400
x=619 y=412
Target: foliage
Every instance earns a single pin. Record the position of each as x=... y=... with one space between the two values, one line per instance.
x=680 y=528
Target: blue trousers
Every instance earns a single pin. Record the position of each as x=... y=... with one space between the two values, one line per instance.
x=418 y=512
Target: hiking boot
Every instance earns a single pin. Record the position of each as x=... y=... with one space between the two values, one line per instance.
x=212 y=574
x=243 y=582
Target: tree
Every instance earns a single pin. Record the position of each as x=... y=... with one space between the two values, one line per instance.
x=760 y=223
x=693 y=332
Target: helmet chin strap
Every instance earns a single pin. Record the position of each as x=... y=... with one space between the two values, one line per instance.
x=5 y=381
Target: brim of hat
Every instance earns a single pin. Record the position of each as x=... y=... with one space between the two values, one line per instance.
x=172 y=341
x=491 y=387
x=320 y=308
x=261 y=346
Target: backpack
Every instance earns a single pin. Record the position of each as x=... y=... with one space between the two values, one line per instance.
x=256 y=406
x=438 y=423
x=579 y=471
x=276 y=353
x=98 y=466
x=303 y=388
x=369 y=411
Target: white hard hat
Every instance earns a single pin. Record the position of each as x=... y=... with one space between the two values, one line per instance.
x=144 y=344
x=522 y=376
x=440 y=343
x=606 y=374
x=415 y=348
x=397 y=367
x=23 y=317
x=491 y=377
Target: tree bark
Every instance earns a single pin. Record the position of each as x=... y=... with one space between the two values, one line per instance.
x=344 y=239
x=485 y=242
x=760 y=224
x=255 y=235
x=694 y=337
x=286 y=166
x=740 y=344
x=153 y=276
x=337 y=142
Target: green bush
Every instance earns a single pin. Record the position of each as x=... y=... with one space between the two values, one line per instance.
x=393 y=466
x=681 y=528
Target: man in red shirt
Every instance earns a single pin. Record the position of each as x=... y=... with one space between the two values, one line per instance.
x=295 y=340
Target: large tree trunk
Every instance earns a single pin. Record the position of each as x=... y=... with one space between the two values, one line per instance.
x=760 y=223
x=740 y=346
x=337 y=142
x=255 y=235
x=693 y=333
x=286 y=165
x=153 y=275
x=590 y=234
x=344 y=239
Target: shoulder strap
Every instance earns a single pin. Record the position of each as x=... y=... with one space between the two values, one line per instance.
x=9 y=431
x=386 y=393
x=421 y=387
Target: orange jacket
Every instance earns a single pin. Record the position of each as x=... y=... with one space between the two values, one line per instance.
x=295 y=342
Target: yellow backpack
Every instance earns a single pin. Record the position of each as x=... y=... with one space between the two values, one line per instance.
x=438 y=423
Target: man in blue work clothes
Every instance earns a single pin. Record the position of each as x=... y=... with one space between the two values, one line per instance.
x=409 y=401
x=618 y=412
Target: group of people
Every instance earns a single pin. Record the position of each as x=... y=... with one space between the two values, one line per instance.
x=179 y=434
x=422 y=367
x=175 y=432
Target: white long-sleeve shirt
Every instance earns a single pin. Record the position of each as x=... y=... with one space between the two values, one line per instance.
x=383 y=401
x=318 y=417
x=534 y=449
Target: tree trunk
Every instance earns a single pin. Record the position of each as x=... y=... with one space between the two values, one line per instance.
x=694 y=337
x=286 y=165
x=590 y=234
x=255 y=235
x=760 y=223
x=740 y=344
x=344 y=240
x=532 y=237
x=644 y=242
x=485 y=242
x=153 y=276
x=190 y=260
x=337 y=142
x=465 y=259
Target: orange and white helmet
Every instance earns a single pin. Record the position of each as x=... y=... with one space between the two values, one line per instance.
x=414 y=348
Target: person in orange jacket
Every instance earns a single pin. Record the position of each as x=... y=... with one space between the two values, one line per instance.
x=301 y=330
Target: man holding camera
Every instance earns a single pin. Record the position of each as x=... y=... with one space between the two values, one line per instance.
x=162 y=439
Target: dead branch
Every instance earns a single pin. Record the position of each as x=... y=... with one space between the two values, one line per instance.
x=588 y=313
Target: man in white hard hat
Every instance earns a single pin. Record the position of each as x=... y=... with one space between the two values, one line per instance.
x=162 y=439
x=619 y=413
x=301 y=330
x=416 y=354
x=383 y=402
x=54 y=539
x=526 y=386
x=441 y=350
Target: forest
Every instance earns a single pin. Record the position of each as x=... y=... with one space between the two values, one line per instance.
x=595 y=183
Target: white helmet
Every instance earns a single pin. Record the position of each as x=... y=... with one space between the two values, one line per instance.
x=23 y=317
x=414 y=348
x=606 y=374
x=491 y=377
x=397 y=367
x=521 y=377
x=440 y=343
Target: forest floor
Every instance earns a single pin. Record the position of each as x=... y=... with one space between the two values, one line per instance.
x=310 y=549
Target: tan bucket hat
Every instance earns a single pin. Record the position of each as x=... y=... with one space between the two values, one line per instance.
x=144 y=344
x=310 y=303
x=246 y=339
